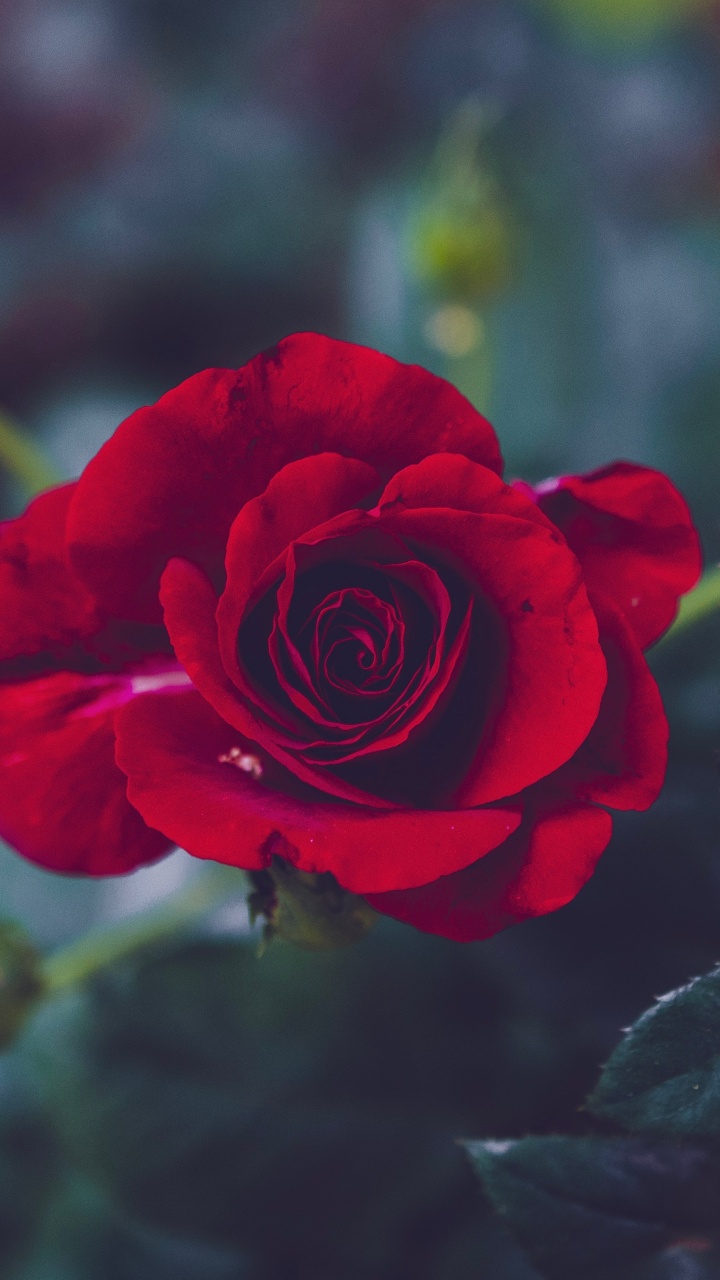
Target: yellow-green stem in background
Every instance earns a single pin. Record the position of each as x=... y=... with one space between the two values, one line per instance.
x=103 y=946
x=22 y=458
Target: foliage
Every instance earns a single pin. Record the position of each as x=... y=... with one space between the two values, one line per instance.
x=603 y=1206
x=209 y=1100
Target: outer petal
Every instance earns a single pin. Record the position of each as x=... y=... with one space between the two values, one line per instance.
x=63 y=799
x=174 y=476
x=170 y=749
x=46 y=609
x=633 y=533
x=49 y=619
x=538 y=869
x=452 y=480
x=622 y=763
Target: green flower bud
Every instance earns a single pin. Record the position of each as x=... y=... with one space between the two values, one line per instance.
x=462 y=236
x=464 y=253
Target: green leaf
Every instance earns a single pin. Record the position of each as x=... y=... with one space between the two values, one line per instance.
x=191 y=1086
x=21 y=980
x=664 y=1077
x=27 y=1165
x=84 y=1236
x=591 y=1206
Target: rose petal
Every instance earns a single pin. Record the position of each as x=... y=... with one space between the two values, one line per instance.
x=550 y=686
x=421 y=580
x=300 y=497
x=46 y=609
x=451 y=480
x=190 y=605
x=353 y=537
x=622 y=763
x=421 y=693
x=174 y=476
x=634 y=536
x=170 y=749
x=538 y=869
x=50 y=620
x=63 y=800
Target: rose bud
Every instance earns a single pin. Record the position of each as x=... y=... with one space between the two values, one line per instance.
x=293 y=612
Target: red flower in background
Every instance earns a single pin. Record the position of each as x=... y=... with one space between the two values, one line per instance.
x=299 y=607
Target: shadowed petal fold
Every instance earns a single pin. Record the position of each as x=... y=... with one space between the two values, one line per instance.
x=538 y=869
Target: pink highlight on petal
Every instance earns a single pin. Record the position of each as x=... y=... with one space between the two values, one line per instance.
x=153 y=676
x=551 y=485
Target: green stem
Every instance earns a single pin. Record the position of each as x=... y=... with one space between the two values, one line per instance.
x=24 y=460
x=100 y=947
x=699 y=604
x=473 y=374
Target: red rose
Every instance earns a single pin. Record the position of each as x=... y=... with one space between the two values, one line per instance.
x=301 y=610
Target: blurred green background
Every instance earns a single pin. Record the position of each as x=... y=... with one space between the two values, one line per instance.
x=525 y=198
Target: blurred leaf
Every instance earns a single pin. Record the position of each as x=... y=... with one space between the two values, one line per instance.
x=588 y=1206
x=193 y=1092
x=21 y=979
x=626 y=20
x=21 y=457
x=664 y=1077
x=700 y=603
x=27 y=1166
x=84 y=1236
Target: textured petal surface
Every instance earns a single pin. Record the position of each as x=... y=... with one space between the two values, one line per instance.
x=538 y=869
x=170 y=749
x=634 y=536
x=63 y=801
x=174 y=476
x=452 y=480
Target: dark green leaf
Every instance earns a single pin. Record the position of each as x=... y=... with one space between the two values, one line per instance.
x=27 y=1165
x=590 y=1206
x=190 y=1085
x=84 y=1236
x=21 y=982
x=664 y=1077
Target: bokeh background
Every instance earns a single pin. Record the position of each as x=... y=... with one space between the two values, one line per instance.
x=524 y=196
